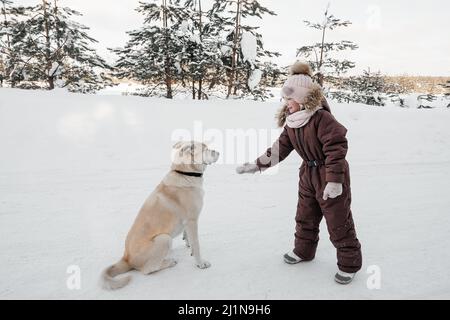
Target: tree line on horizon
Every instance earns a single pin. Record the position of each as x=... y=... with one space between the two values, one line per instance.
x=181 y=47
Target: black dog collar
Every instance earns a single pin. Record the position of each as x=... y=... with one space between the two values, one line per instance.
x=190 y=174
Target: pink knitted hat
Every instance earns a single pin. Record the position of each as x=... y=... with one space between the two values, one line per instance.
x=299 y=82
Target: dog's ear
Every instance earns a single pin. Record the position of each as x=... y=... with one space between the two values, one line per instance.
x=188 y=149
x=177 y=145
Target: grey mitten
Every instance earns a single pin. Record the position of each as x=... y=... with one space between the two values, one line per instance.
x=332 y=190
x=247 y=168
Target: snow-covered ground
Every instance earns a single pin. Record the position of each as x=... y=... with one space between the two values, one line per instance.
x=75 y=169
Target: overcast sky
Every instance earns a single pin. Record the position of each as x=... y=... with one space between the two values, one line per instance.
x=395 y=37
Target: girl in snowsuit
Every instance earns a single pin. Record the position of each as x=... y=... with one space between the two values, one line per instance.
x=324 y=181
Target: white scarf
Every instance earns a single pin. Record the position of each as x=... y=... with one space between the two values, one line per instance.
x=300 y=118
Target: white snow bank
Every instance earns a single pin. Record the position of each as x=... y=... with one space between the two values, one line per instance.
x=75 y=169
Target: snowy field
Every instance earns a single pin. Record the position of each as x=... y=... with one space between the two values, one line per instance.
x=75 y=169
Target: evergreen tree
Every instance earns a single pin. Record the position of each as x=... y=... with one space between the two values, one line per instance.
x=58 y=50
x=396 y=98
x=394 y=90
x=201 y=45
x=424 y=100
x=243 y=47
x=182 y=45
x=368 y=89
x=220 y=23
x=446 y=86
x=10 y=55
x=272 y=75
x=319 y=55
x=154 y=53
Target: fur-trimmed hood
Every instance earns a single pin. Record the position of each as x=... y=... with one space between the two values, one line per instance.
x=312 y=100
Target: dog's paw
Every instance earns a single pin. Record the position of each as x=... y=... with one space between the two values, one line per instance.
x=170 y=263
x=204 y=264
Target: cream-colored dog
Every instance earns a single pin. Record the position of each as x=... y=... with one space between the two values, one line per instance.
x=173 y=207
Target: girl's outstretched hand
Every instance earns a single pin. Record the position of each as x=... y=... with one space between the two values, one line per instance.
x=332 y=190
x=247 y=168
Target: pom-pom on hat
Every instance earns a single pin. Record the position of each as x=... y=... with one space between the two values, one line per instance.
x=301 y=67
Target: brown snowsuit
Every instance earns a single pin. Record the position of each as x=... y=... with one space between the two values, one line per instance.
x=321 y=140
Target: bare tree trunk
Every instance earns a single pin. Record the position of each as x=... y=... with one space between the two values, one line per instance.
x=200 y=84
x=8 y=44
x=236 y=77
x=50 y=80
x=320 y=76
x=55 y=10
x=214 y=79
x=58 y=56
x=200 y=80
x=8 y=40
x=168 y=78
x=233 y=58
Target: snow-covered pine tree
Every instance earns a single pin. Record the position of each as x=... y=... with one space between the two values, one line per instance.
x=200 y=43
x=424 y=101
x=222 y=25
x=10 y=55
x=397 y=99
x=319 y=55
x=395 y=91
x=446 y=86
x=265 y=75
x=58 y=50
x=272 y=75
x=243 y=48
x=154 y=53
x=368 y=88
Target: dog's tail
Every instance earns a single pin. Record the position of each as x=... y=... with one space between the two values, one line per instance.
x=108 y=280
